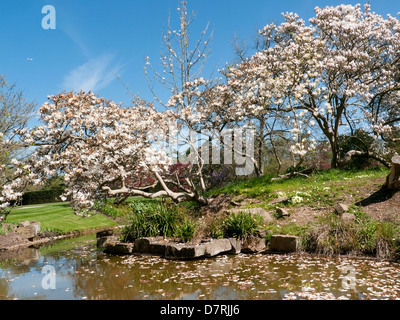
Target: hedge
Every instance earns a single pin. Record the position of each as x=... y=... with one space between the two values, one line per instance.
x=42 y=196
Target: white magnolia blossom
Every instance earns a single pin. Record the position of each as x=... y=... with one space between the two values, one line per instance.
x=343 y=63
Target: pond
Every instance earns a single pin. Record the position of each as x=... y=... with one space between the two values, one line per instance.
x=73 y=269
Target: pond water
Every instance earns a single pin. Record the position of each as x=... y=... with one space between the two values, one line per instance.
x=74 y=270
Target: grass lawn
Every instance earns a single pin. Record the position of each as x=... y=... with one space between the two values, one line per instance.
x=57 y=217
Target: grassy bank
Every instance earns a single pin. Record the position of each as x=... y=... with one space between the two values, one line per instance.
x=320 y=188
x=57 y=217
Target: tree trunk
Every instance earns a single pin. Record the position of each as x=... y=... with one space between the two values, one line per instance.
x=392 y=180
x=261 y=147
x=335 y=154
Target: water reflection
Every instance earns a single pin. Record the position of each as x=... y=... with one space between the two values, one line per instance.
x=84 y=273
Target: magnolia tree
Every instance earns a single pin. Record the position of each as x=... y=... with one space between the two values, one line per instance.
x=337 y=74
x=182 y=58
x=7 y=193
x=197 y=107
x=100 y=146
x=15 y=177
x=213 y=136
x=15 y=113
x=259 y=95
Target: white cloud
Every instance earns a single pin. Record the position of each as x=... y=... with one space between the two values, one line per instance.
x=93 y=75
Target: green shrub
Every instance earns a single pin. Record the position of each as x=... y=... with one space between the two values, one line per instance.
x=151 y=219
x=242 y=224
x=186 y=230
x=216 y=229
x=42 y=196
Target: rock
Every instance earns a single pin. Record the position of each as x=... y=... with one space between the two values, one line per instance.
x=104 y=233
x=11 y=239
x=279 y=200
x=217 y=246
x=142 y=245
x=281 y=212
x=158 y=249
x=341 y=208
x=283 y=243
x=112 y=245
x=103 y=242
x=253 y=244
x=264 y=214
x=36 y=225
x=23 y=224
x=120 y=248
x=6 y=227
x=262 y=233
x=178 y=251
x=151 y=245
x=208 y=249
x=393 y=178
x=348 y=217
x=28 y=229
x=236 y=246
x=27 y=232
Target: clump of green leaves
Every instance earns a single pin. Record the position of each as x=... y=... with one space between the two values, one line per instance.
x=242 y=224
x=186 y=230
x=158 y=218
x=151 y=219
x=216 y=229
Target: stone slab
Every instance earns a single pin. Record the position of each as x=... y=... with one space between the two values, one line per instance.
x=253 y=244
x=283 y=243
x=27 y=232
x=112 y=245
x=208 y=249
x=167 y=249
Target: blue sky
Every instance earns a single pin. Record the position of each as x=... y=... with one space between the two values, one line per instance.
x=94 y=36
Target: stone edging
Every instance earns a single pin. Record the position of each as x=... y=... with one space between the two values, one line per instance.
x=168 y=249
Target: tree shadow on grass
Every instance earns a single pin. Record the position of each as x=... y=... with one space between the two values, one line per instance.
x=57 y=204
x=382 y=195
x=64 y=205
